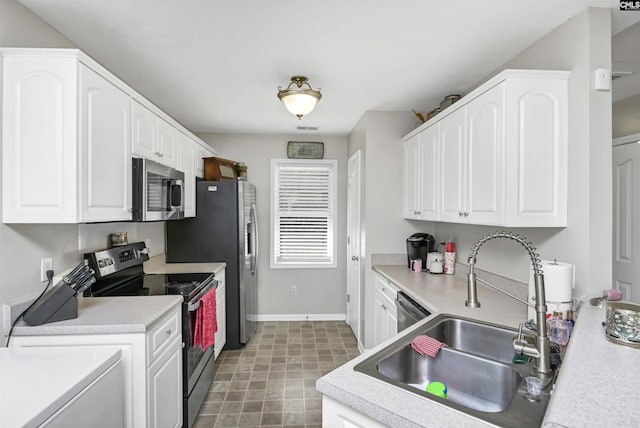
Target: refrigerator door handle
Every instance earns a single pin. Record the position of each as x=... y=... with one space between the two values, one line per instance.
x=254 y=222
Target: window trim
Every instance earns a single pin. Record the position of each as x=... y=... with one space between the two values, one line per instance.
x=333 y=165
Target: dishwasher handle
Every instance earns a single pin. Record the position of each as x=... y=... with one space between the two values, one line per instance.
x=413 y=308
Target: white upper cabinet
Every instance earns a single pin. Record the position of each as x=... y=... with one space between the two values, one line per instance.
x=69 y=129
x=472 y=148
x=503 y=152
x=186 y=163
x=452 y=146
x=421 y=169
x=105 y=164
x=411 y=177
x=201 y=153
x=153 y=137
x=66 y=146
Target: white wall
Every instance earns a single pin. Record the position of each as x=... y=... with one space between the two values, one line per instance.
x=581 y=45
x=22 y=246
x=378 y=135
x=320 y=291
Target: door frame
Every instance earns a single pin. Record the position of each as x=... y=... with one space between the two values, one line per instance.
x=354 y=247
x=622 y=141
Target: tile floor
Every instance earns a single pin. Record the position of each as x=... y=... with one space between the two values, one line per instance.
x=271 y=381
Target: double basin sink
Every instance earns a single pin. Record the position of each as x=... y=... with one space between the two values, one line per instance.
x=477 y=366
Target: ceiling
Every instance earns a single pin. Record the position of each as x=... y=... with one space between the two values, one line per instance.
x=215 y=65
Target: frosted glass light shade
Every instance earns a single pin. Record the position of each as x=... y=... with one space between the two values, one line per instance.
x=298 y=100
x=300 y=103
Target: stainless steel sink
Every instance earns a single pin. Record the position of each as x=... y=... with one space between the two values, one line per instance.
x=484 y=340
x=476 y=367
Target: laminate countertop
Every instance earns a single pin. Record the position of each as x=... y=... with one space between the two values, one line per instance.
x=110 y=315
x=158 y=264
x=97 y=315
x=596 y=386
x=37 y=382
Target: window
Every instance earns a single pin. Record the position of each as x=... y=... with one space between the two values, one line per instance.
x=303 y=213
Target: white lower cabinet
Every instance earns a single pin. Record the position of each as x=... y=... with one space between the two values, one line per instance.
x=152 y=369
x=165 y=374
x=109 y=412
x=337 y=415
x=221 y=314
x=385 y=312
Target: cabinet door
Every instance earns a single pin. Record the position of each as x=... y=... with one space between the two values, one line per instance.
x=145 y=133
x=485 y=157
x=391 y=327
x=107 y=390
x=168 y=140
x=380 y=319
x=164 y=389
x=39 y=152
x=105 y=185
x=452 y=144
x=186 y=164
x=429 y=174
x=221 y=315
x=536 y=153
x=411 y=177
x=338 y=415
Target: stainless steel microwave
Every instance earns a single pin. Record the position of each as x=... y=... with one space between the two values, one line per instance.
x=158 y=191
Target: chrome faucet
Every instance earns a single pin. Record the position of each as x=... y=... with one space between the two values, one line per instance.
x=540 y=350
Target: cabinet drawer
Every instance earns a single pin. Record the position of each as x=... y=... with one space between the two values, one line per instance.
x=161 y=335
x=385 y=287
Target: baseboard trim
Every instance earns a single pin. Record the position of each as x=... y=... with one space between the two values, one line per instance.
x=301 y=317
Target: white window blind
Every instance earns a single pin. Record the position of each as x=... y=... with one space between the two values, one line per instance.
x=303 y=213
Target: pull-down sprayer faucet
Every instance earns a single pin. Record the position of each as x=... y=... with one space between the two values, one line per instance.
x=540 y=350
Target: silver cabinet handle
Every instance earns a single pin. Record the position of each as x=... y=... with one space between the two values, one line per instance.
x=459 y=213
x=418 y=212
x=168 y=332
x=354 y=258
x=384 y=307
x=466 y=214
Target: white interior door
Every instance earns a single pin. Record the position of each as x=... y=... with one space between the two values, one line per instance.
x=353 y=244
x=626 y=217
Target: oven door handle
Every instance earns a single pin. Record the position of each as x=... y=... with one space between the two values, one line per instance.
x=193 y=306
x=195 y=303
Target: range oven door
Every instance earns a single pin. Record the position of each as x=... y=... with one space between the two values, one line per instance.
x=195 y=357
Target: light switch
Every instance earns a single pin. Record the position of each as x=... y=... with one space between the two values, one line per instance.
x=602 y=80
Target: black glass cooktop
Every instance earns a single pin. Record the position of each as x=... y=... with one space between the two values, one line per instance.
x=143 y=284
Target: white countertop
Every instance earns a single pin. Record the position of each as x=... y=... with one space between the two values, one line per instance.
x=157 y=264
x=599 y=381
x=36 y=382
x=447 y=294
x=102 y=315
x=597 y=385
x=111 y=315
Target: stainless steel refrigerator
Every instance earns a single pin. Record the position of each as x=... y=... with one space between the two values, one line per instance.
x=224 y=230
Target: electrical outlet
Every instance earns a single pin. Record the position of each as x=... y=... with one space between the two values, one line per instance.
x=294 y=290
x=46 y=263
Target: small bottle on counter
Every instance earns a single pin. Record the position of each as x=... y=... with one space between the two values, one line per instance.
x=450 y=257
x=570 y=321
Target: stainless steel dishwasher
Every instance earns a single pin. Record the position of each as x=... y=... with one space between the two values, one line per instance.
x=409 y=311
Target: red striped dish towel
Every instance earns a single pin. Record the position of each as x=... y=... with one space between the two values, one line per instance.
x=206 y=324
x=425 y=345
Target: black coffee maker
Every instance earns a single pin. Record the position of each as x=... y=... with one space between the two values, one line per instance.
x=418 y=245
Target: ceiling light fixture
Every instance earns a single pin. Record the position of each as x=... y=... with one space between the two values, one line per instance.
x=298 y=100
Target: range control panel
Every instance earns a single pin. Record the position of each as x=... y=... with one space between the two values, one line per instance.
x=111 y=260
